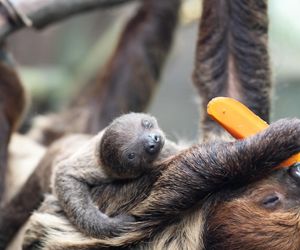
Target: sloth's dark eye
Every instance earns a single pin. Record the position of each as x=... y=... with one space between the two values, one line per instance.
x=271 y=201
x=147 y=124
x=131 y=156
x=295 y=171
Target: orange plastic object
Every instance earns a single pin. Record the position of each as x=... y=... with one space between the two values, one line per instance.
x=240 y=121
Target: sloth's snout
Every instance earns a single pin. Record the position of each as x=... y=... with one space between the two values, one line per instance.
x=153 y=143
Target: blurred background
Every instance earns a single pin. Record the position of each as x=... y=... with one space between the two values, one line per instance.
x=54 y=62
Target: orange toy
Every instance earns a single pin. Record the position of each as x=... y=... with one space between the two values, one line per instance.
x=240 y=121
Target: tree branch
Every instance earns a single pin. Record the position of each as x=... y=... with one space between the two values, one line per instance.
x=15 y=14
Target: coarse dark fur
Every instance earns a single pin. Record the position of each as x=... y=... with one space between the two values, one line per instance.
x=232 y=57
x=124 y=85
x=122 y=153
x=147 y=39
x=12 y=106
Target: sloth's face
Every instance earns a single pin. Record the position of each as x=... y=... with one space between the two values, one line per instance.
x=279 y=192
x=265 y=215
x=135 y=143
x=143 y=147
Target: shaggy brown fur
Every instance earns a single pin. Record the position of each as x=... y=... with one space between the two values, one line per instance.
x=265 y=216
x=12 y=105
x=128 y=81
x=232 y=56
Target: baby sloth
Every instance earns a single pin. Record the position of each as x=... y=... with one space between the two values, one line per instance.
x=122 y=152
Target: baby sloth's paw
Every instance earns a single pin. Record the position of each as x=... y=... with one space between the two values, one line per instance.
x=121 y=224
x=125 y=218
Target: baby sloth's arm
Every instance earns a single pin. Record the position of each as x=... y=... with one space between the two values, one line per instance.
x=72 y=182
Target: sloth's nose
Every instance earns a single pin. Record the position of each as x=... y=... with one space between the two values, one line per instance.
x=153 y=143
x=294 y=171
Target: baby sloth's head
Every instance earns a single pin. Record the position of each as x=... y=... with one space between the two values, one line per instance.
x=130 y=144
